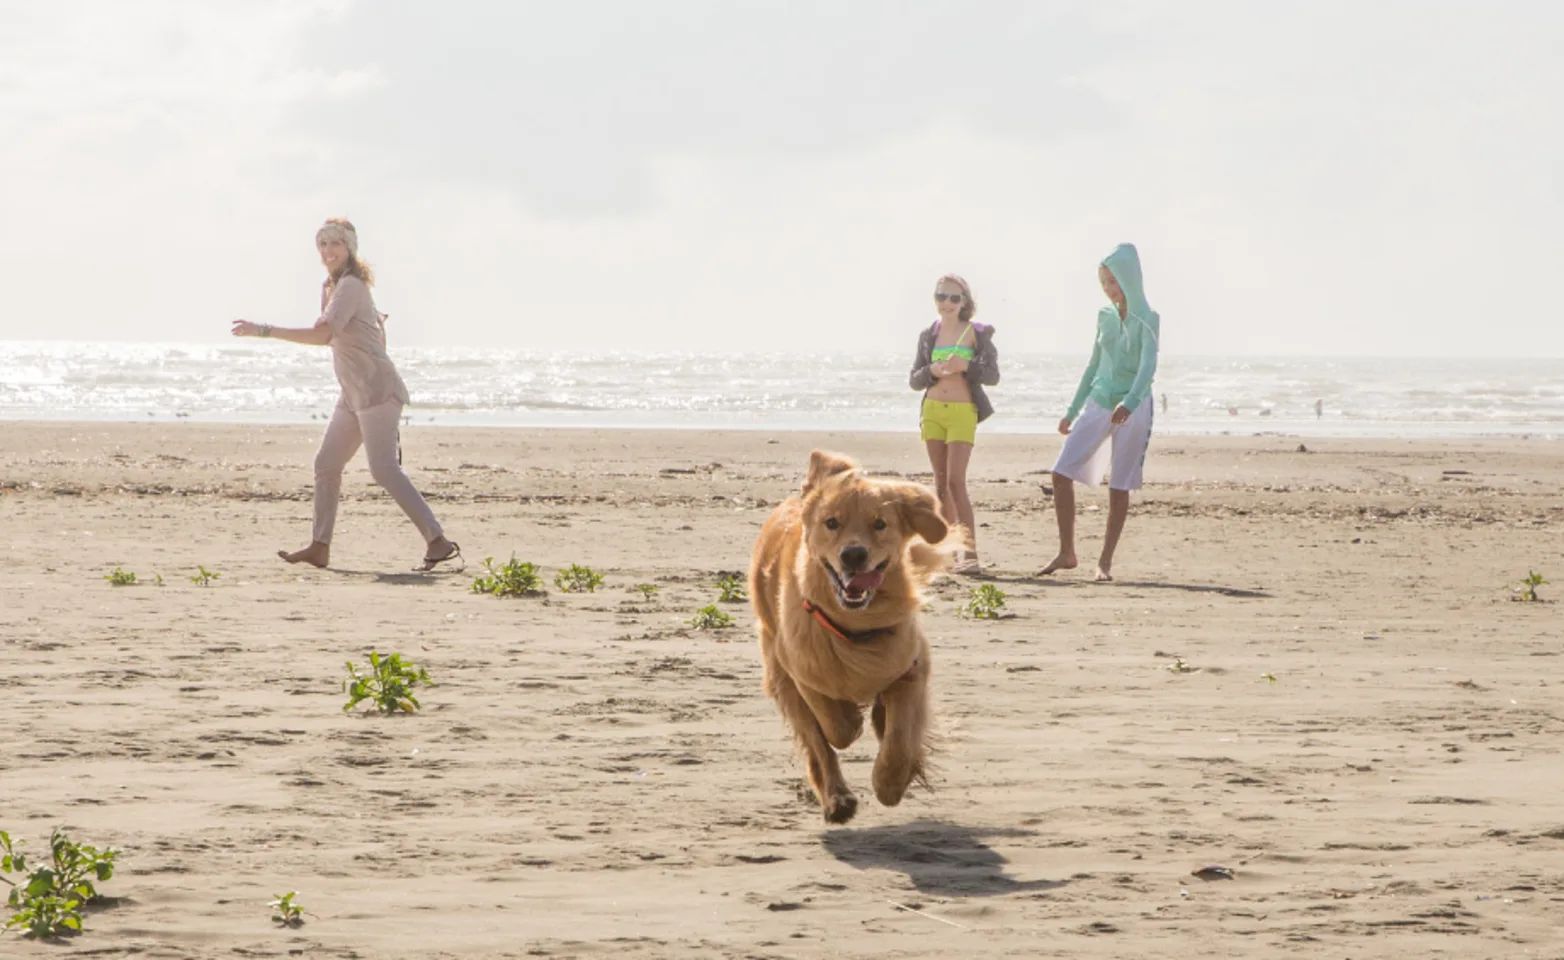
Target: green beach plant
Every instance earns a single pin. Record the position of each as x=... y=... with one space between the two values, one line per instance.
x=121 y=578
x=986 y=602
x=1527 y=588
x=710 y=617
x=388 y=684
x=48 y=900
x=286 y=910
x=578 y=579
x=731 y=589
x=514 y=579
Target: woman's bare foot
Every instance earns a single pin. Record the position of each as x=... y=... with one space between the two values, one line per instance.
x=1064 y=561
x=1104 y=571
x=317 y=554
x=968 y=565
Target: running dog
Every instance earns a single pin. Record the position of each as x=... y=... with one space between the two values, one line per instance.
x=836 y=580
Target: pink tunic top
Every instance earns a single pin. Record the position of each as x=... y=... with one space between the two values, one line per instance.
x=358 y=348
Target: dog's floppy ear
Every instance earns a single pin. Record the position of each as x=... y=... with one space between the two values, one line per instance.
x=921 y=509
x=824 y=465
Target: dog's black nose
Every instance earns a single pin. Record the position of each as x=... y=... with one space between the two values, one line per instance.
x=854 y=558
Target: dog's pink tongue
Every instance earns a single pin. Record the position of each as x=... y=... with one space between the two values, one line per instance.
x=866 y=581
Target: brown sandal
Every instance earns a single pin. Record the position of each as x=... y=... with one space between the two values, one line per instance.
x=455 y=553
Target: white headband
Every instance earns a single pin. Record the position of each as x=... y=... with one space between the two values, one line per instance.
x=337 y=231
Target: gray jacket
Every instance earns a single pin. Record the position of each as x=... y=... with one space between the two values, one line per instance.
x=982 y=371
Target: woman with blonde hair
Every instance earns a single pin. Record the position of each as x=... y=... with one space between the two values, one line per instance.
x=954 y=361
x=370 y=406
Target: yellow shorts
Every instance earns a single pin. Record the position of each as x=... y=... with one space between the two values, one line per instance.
x=950 y=422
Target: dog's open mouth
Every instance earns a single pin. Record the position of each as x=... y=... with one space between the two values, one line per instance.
x=855 y=592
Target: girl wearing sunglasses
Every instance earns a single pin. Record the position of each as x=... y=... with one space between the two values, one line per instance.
x=956 y=359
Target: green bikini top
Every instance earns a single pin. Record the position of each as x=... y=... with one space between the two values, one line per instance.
x=954 y=350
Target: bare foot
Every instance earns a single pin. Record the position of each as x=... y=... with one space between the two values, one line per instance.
x=968 y=565
x=1104 y=571
x=1064 y=561
x=316 y=555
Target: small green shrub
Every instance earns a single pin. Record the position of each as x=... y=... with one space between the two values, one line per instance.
x=204 y=577
x=121 y=578
x=710 y=617
x=1527 y=589
x=648 y=591
x=987 y=602
x=578 y=579
x=732 y=588
x=515 y=579
x=49 y=899
x=286 y=911
x=389 y=684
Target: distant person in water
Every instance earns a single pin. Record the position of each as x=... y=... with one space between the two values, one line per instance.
x=1164 y=403
x=954 y=361
x=1319 y=409
x=1108 y=426
x=371 y=402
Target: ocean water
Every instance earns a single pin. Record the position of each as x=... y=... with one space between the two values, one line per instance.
x=283 y=383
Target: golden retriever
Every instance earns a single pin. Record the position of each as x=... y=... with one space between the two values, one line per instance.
x=836 y=581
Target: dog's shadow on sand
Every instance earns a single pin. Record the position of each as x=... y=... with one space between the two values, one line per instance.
x=940 y=858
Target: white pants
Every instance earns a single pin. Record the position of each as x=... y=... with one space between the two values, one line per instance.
x=375 y=430
x=1095 y=440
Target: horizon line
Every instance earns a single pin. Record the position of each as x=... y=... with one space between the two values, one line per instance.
x=219 y=342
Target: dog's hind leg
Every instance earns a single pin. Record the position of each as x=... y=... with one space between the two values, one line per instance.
x=901 y=718
x=825 y=772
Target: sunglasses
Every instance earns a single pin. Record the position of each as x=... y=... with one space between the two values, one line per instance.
x=952 y=297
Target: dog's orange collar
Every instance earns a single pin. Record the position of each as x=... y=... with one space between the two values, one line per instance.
x=846 y=636
x=860 y=636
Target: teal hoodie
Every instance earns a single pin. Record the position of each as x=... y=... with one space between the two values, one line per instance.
x=1124 y=358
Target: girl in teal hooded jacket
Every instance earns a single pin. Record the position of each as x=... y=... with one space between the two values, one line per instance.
x=1108 y=426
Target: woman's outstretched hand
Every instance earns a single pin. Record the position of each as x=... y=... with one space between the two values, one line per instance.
x=1064 y=426
x=244 y=328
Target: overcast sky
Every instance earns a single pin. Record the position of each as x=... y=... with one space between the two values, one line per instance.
x=1364 y=177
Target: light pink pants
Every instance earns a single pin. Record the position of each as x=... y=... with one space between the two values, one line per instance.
x=375 y=430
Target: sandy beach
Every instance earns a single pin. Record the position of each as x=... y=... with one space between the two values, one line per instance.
x=1362 y=725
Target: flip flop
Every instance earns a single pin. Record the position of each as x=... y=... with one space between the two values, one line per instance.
x=430 y=563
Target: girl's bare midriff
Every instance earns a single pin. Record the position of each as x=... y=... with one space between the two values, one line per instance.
x=953 y=388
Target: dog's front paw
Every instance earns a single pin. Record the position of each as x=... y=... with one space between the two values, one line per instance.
x=839 y=807
x=892 y=780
